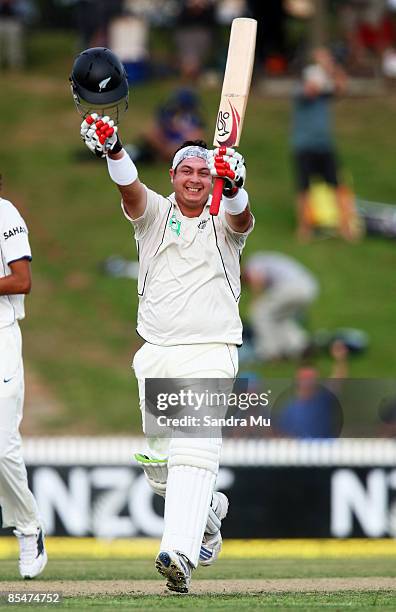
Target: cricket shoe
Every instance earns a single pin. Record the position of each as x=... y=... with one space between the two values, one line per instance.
x=212 y=542
x=32 y=554
x=176 y=568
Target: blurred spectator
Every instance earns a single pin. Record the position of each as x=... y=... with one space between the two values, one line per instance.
x=179 y=119
x=301 y=9
x=387 y=415
x=313 y=142
x=227 y=10
x=194 y=36
x=11 y=34
x=271 y=35
x=370 y=32
x=282 y=289
x=92 y=20
x=128 y=37
x=310 y=409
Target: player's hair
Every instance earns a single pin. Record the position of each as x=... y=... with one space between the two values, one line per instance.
x=191 y=143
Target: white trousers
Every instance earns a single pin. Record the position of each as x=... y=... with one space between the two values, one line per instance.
x=17 y=503
x=210 y=360
x=276 y=332
x=193 y=463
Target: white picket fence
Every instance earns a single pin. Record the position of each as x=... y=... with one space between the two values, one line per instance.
x=116 y=450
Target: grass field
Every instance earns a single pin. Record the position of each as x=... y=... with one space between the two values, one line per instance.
x=232 y=584
x=271 y=574
x=79 y=333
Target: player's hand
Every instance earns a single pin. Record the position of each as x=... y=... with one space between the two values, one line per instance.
x=99 y=134
x=228 y=164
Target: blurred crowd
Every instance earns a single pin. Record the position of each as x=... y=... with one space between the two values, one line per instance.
x=362 y=33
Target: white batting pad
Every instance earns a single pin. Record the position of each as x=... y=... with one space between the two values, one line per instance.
x=193 y=466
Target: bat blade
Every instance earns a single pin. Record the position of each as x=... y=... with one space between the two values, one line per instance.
x=235 y=92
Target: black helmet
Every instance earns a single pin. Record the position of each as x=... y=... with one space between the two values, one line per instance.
x=99 y=83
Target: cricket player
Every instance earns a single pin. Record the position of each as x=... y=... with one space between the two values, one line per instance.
x=189 y=289
x=17 y=503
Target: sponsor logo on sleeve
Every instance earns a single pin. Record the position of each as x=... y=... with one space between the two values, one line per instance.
x=14 y=231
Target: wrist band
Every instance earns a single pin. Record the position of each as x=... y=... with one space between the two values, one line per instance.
x=117 y=147
x=237 y=204
x=122 y=171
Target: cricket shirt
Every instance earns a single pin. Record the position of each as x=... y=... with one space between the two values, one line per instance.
x=189 y=275
x=14 y=245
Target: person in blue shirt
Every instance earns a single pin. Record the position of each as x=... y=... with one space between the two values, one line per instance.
x=312 y=139
x=178 y=119
x=309 y=408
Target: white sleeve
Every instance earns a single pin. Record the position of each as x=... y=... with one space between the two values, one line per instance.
x=151 y=212
x=14 y=239
x=239 y=238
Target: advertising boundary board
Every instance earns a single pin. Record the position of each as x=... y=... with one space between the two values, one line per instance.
x=265 y=502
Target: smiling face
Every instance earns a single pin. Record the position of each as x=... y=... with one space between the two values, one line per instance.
x=192 y=183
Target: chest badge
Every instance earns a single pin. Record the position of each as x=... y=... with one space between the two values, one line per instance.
x=202 y=224
x=175 y=224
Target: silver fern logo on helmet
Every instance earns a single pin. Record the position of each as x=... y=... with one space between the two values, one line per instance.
x=99 y=83
x=104 y=83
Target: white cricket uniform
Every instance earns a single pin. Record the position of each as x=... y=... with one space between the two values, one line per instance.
x=189 y=289
x=17 y=502
x=289 y=289
x=189 y=275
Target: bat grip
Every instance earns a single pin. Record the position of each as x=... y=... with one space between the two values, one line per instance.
x=216 y=196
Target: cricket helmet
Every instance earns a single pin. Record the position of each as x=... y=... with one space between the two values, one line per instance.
x=99 y=83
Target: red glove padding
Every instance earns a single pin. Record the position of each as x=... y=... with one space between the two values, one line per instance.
x=227 y=164
x=100 y=135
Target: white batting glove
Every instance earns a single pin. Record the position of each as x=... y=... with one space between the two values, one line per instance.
x=99 y=134
x=228 y=164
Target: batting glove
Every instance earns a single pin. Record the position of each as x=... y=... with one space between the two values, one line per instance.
x=229 y=165
x=100 y=135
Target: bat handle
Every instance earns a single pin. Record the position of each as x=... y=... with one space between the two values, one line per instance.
x=216 y=196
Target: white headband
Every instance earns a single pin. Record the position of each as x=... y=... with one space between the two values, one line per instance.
x=192 y=151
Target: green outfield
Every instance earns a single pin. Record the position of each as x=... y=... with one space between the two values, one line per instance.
x=271 y=574
x=79 y=333
x=233 y=584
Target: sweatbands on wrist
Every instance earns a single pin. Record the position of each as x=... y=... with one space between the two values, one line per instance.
x=237 y=204
x=117 y=147
x=122 y=171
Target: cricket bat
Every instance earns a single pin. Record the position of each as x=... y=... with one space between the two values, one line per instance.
x=234 y=95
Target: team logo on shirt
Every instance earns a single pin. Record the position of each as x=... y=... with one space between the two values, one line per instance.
x=175 y=224
x=14 y=231
x=202 y=224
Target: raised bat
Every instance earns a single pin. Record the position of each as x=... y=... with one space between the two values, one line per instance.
x=234 y=95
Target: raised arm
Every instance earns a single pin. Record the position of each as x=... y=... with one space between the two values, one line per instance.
x=121 y=168
x=324 y=58
x=101 y=137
